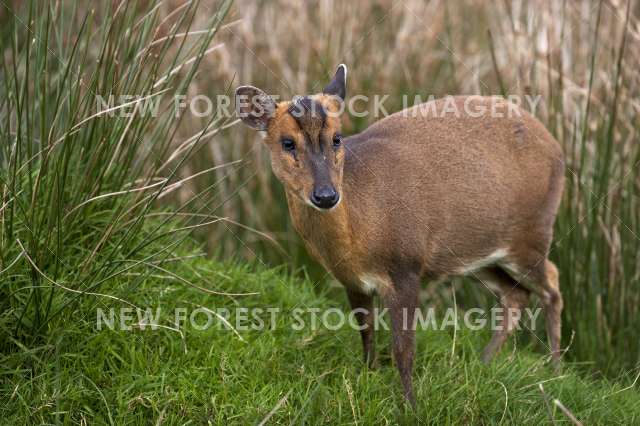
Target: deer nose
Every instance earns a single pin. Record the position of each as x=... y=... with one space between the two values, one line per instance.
x=325 y=197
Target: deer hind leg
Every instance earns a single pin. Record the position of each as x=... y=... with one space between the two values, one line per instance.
x=513 y=299
x=542 y=278
x=552 y=302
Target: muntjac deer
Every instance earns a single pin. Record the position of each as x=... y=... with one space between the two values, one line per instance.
x=432 y=191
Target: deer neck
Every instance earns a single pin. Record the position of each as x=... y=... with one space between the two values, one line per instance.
x=327 y=234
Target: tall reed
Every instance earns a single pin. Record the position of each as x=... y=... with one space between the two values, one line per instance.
x=86 y=105
x=581 y=58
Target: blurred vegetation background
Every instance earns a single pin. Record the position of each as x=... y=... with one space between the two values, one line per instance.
x=78 y=187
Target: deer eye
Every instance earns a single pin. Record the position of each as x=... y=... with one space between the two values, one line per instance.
x=288 y=145
x=337 y=140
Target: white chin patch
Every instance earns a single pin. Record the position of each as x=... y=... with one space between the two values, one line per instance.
x=309 y=203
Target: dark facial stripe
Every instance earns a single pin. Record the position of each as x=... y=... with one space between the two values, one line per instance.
x=305 y=108
x=311 y=118
x=319 y=170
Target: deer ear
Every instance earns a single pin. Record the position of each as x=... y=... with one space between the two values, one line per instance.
x=254 y=107
x=338 y=86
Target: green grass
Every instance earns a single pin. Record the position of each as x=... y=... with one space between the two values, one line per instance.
x=78 y=189
x=157 y=377
x=77 y=180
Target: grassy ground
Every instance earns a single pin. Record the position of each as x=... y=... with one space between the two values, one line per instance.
x=81 y=374
x=81 y=192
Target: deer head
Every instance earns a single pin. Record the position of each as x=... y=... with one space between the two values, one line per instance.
x=303 y=136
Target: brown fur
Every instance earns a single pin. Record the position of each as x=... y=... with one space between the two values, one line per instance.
x=425 y=197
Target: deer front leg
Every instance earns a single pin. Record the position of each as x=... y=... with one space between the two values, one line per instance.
x=401 y=300
x=362 y=305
